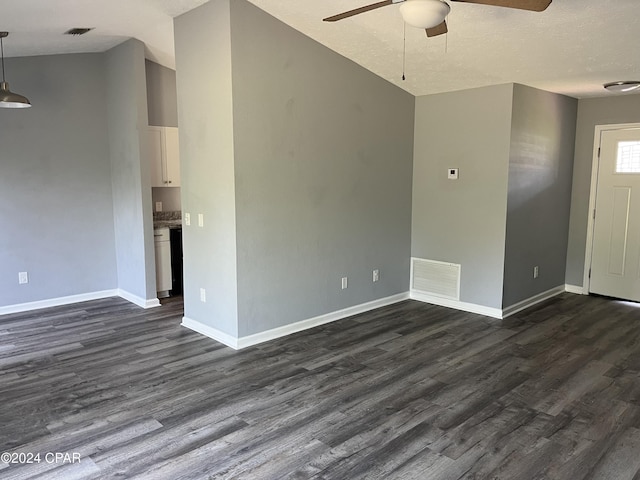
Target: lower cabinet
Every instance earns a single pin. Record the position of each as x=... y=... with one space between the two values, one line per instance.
x=163 y=261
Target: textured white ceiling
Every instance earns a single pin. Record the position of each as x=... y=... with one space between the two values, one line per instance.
x=573 y=47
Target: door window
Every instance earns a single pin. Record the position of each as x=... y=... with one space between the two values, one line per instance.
x=628 y=160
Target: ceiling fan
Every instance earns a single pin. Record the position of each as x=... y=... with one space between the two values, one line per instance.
x=431 y=14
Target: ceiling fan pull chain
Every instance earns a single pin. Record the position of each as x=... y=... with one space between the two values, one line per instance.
x=446 y=36
x=404 y=47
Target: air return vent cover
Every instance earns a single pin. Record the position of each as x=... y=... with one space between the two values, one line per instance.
x=78 y=31
x=440 y=279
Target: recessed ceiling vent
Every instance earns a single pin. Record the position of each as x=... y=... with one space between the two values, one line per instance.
x=78 y=31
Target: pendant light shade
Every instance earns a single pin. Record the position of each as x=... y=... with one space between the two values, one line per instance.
x=8 y=99
x=424 y=13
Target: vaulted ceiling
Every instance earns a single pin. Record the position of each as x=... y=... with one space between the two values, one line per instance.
x=572 y=48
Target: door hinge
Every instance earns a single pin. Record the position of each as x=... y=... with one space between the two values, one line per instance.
x=594 y=213
x=589 y=273
x=598 y=152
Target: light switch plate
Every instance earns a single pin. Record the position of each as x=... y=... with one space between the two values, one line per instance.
x=452 y=174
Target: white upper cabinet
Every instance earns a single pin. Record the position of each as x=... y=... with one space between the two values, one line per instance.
x=164 y=156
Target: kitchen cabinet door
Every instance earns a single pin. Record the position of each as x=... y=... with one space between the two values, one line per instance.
x=164 y=156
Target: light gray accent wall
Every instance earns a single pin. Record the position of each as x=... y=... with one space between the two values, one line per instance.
x=162 y=100
x=540 y=168
x=323 y=162
x=55 y=183
x=463 y=221
x=591 y=112
x=131 y=184
x=205 y=115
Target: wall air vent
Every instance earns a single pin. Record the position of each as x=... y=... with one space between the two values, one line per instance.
x=440 y=279
x=77 y=31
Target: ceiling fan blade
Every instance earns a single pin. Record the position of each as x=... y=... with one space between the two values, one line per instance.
x=437 y=30
x=533 y=5
x=356 y=11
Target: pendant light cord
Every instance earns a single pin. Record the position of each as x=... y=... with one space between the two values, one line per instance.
x=2 y=52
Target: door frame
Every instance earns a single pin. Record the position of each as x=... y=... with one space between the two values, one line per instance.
x=595 y=166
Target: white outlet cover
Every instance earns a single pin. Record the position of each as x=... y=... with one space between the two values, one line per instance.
x=158 y=206
x=187 y=219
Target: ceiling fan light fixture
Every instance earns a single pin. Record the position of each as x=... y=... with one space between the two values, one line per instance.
x=622 y=86
x=424 y=13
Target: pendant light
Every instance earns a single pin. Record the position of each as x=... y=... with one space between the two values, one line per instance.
x=8 y=99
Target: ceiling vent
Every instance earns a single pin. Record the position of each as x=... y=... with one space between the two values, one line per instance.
x=77 y=31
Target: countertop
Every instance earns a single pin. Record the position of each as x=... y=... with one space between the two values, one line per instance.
x=167 y=220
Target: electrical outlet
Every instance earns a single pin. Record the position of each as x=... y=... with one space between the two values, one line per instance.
x=201 y=220
x=23 y=277
x=203 y=295
x=344 y=282
x=376 y=275
x=158 y=206
x=535 y=272
x=187 y=219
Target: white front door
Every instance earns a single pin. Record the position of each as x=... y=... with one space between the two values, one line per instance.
x=615 y=262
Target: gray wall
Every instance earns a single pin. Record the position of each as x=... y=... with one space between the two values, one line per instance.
x=131 y=184
x=591 y=112
x=203 y=66
x=463 y=221
x=56 y=208
x=540 y=167
x=162 y=102
x=323 y=163
x=306 y=170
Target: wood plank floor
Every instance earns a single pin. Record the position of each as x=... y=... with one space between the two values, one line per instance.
x=409 y=391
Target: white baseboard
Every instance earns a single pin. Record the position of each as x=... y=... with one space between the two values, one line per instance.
x=136 y=300
x=578 y=290
x=496 y=312
x=213 y=333
x=56 y=302
x=456 y=304
x=261 y=337
x=83 y=297
x=529 y=302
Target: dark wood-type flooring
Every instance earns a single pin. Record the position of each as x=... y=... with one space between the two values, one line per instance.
x=409 y=391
